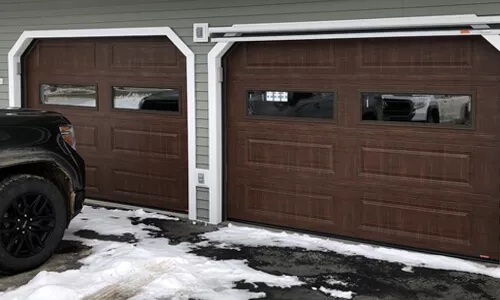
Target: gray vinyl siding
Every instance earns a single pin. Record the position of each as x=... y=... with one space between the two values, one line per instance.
x=202 y=211
x=19 y=15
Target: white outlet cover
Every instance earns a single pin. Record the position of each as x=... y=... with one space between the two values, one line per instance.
x=1 y=80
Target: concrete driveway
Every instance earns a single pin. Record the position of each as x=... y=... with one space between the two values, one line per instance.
x=323 y=274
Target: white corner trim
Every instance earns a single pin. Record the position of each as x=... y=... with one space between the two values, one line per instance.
x=14 y=59
x=215 y=141
x=494 y=40
x=215 y=89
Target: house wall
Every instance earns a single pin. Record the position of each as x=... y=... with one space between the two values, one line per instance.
x=19 y=15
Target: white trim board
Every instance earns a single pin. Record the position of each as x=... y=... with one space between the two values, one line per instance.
x=14 y=61
x=215 y=112
x=360 y=24
x=358 y=35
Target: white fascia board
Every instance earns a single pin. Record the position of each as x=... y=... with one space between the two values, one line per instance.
x=14 y=59
x=361 y=24
x=359 y=35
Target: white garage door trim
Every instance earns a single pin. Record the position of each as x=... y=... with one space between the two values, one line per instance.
x=14 y=63
x=215 y=112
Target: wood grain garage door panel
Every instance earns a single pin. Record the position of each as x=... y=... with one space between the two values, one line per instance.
x=429 y=186
x=133 y=156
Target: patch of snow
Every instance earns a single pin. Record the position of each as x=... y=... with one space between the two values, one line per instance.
x=256 y=237
x=118 y=225
x=143 y=214
x=408 y=269
x=336 y=293
x=53 y=292
x=314 y=288
x=150 y=269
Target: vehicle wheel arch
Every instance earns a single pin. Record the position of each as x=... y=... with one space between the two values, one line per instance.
x=46 y=169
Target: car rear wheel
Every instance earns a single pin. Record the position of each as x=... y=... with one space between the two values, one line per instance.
x=32 y=222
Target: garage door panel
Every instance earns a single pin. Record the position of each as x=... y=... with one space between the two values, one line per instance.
x=426 y=223
x=279 y=154
x=276 y=204
x=431 y=185
x=429 y=165
x=92 y=179
x=87 y=135
x=405 y=164
x=273 y=58
x=135 y=153
x=152 y=190
x=146 y=143
x=442 y=56
x=63 y=56
x=150 y=53
x=416 y=53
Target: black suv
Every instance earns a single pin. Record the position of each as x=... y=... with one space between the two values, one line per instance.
x=42 y=181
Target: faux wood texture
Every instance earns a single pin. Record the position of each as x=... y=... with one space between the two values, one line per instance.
x=133 y=156
x=417 y=185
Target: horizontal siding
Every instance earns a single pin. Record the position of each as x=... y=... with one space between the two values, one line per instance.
x=17 y=16
x=202 y=204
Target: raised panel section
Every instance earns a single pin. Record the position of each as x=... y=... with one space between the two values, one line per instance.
x=147 y=55
x=411 y=164
x=146 y=143
x=416 y=52
x=67 y=55
x=441 y=224
x=86 y=136
x=91 y=178
x=284 y=154
x=296 y=54
x=146 y=185
x=264 y=200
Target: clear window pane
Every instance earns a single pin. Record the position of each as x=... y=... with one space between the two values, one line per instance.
x=417 y=108
x=291 y=104
x=68 y=94
x=138 y=98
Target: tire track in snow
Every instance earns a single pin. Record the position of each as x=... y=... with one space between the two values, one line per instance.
x=131 y=285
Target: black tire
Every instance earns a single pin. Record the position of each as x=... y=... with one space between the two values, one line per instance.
x=43 y=221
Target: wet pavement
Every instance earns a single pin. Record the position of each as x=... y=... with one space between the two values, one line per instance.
x=367 y=278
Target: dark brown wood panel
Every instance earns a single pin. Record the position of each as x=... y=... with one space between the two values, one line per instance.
x=133 y=156
x=412 y=184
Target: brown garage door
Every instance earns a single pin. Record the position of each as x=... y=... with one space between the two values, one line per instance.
x=127 y=100
x=391 y=140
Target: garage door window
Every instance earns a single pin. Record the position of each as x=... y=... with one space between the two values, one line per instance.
x=140 y=98
x=291 y=104
x=447 y=109
x=68 y=94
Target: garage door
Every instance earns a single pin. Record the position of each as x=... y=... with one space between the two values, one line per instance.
x=390 y=140
x=127 y=100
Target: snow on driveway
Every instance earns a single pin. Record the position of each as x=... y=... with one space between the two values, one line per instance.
x=246 y=236
x=150 y=267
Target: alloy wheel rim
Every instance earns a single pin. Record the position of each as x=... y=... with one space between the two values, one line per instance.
x=26 y=225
